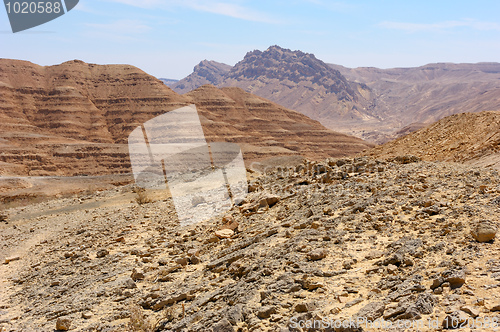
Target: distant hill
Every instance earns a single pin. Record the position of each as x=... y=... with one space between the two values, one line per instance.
x=472 y=138
x=206 y=72
x=372 y=103
x=75 y=118
x=168 y=82
x=404 y=96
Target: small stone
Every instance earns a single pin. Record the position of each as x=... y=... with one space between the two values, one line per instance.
x=11 y=259
x=455 y=278
x=495 y=307
x=312 y=283
x=371 y=311
x=194 y=260
x=335 y=310
x=316 y=224
x=102 y=253
x=163 y=261
x=483 y=231
x=392 y=269
x=137 y=275
x=438 y=290
x=347 y=265
x=266 y=312
x=235 y=314
x=229 y=223
x=224 y=233
x=470 y=310
x=431 y=210
x=317 y=254
x=478 y=302
x=354 y=302
x=374 y=254
x=87 y=315
x=222 y=326
x=438 y=281
x=63 y=324
x=182 y=261
x=305 y=307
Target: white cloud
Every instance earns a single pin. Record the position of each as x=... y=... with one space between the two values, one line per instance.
x=441 y=26
x=230 y=9
x=121 y=31
x=336 y=6
x=121 y=27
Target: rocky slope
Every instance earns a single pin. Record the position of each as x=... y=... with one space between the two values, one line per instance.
x=74 y=119
x=472 y=138
x=371 y=103
x=337 y=240
x=264 y=129
x=206 y=72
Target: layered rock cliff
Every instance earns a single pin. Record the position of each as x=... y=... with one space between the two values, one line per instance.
x=75 y=118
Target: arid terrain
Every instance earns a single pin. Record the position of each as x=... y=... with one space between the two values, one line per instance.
x=333 y=230
x=336 y=240
x=371 y=103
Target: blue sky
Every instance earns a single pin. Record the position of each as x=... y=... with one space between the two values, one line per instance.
x=166 y=38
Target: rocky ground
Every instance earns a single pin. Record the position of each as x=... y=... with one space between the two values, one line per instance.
x=401 y=240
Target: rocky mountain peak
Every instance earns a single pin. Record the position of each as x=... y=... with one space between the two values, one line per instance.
x=277 y=63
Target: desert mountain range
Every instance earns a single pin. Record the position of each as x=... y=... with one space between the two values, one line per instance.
x=388 y=236
x=371 y=103
x=74 y=118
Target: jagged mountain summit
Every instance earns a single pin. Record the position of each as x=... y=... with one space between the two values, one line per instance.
x=372 y=103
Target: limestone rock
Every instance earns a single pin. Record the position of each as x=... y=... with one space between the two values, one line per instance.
x=371 y=311
x=317 y=254
x=63 y=324
x=483 y=231
x=224 y=233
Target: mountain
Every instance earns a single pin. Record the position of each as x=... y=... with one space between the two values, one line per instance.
x=472 y=138
x=75 y=118
x=404 y=96
x=206 y=72
x=168 y=81
x=372 y=103
x=294 y=79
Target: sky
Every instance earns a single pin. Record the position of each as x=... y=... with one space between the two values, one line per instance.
x=167 y=38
